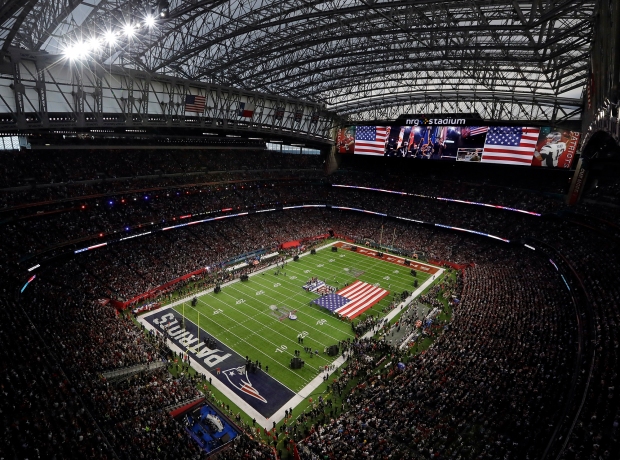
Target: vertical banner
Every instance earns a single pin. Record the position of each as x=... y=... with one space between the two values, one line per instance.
x=578 y=182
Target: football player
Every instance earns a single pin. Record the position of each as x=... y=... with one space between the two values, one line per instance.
x=550 y=153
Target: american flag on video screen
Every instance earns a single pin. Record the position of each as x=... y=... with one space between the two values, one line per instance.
x=370 y=140
x=510 y=145
x=195 y=103
x=475 y=130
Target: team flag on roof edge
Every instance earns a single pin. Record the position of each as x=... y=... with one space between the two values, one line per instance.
x=510 y=145
x=246 y=109
x=370 y=140
x=195 y=103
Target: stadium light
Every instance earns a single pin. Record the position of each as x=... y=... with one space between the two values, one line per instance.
x=77 y=51
x=110 y=38
x=149 y=21
x=130 y=30
x=94 y=44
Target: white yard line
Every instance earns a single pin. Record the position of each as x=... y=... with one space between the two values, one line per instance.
x=299 y=313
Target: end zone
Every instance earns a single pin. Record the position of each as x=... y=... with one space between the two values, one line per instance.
x=426 y=268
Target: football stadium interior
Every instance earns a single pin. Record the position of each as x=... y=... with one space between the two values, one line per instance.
x=310 y=229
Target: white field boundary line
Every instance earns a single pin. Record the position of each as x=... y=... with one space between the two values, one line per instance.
x=390 y=315
x=307 y=390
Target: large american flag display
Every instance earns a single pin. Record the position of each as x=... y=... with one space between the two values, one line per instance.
x=352 y=300
x=510 y=145
x=370 y=140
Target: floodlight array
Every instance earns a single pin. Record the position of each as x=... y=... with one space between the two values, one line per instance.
x=82 y=49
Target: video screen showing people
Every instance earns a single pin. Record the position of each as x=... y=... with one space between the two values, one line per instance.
x=514 y=145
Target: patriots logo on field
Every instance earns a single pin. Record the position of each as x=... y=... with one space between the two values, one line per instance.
x=238 y=378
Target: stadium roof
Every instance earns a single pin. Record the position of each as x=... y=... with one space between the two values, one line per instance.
x=365 y=59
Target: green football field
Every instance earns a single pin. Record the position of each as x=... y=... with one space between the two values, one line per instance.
x=244 y=317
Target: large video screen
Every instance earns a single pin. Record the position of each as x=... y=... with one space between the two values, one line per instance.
x=512 y=145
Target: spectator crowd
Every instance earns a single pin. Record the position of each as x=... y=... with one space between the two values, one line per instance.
x=500 y=381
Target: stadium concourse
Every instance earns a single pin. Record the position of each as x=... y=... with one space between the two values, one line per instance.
x=520 y=356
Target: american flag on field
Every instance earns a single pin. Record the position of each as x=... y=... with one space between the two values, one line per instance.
x=370 y=140
x=353 y=300
x=510 y=145
x=195 y=103
x=475 y=130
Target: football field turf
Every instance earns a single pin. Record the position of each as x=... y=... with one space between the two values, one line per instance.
x=251 y=317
